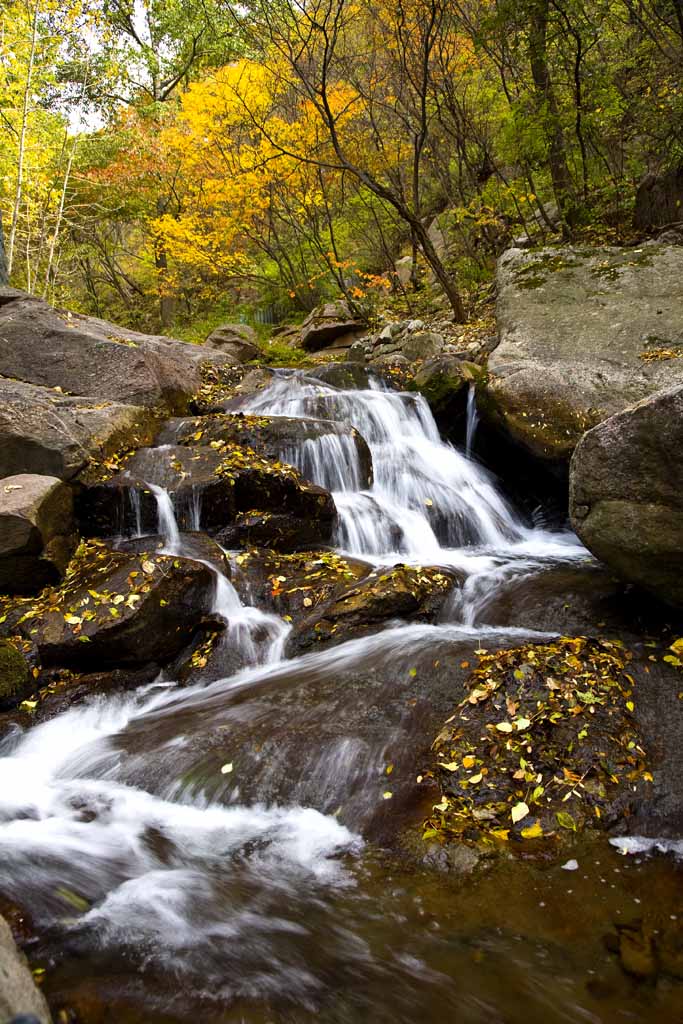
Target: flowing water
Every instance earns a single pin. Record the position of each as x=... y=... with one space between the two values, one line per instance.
x=208 y=852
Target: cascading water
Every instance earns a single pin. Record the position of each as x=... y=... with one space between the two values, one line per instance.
x=428 y=503
x=472 y=420
x=144 y=809
x=253 y=636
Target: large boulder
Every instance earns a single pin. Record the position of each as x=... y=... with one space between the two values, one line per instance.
x=19 y=996
x=86 y=356
x=584 y=333
x=45 y=432
x=290 y=439
x=120 y=608
x=334 y=321
x=211 y=487
x=422 y=345
x=36 y=532
x=626 y=493
x=238 y=341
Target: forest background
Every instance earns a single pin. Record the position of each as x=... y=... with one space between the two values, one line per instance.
x=169 y=164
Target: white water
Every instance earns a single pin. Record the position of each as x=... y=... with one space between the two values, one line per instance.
x=472 y=420
x=429 y=504
x=155 y=868
x=255 y=636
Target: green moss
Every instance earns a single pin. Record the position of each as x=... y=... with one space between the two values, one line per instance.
x=15 y=675
x=535 y=272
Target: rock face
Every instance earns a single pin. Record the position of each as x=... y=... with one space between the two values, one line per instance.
x=626 y=494
x=238 y=341
x=329 y=323
x=86 y=356
x=121 y=609
x=584 y=333
x=18 y=992
x=45 y=432
x=36 y=532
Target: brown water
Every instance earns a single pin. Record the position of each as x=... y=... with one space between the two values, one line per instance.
x=517 y=942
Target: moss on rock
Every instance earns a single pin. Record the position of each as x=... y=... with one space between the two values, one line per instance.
x=15 y=675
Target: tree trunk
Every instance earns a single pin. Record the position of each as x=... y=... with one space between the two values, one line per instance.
x=440 y=272
x=22 y=142
x=166 y=302
x=3 y=263
x=563 y=186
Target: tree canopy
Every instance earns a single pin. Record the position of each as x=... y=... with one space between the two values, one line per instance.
x=159 y=160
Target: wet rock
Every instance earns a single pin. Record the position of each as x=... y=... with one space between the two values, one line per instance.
x=332 y=322
x=43 y=431
x=198 y=546
x=346 y=376
x=18 y=991
x=16 y=680
x=401 y=592
x=279 y=530
x=294 y=585
x=318 y=732
x=118 y=609
x=569 y=599
x=36 y=532
x=279 y=438
x=548 y=385
x=238 y=341
x=442 y=382
x=637 y=951
x=86 y=356
x=626 y=494
x=69 y=690
x=211 y=487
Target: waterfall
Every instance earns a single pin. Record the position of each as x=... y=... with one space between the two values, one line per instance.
x=472 y=420
x=168 y=526
x=255 y=637
x=136 y=505
x=428 y=504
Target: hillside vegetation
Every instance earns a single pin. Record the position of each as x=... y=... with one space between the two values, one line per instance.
x=166 y=165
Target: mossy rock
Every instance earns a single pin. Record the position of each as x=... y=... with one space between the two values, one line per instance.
x=16 y=680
